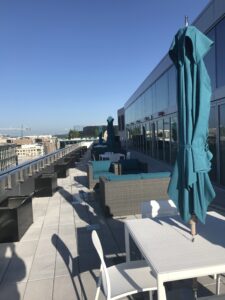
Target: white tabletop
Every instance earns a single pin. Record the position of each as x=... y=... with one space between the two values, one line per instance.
x=111 y=156
x=166 y=244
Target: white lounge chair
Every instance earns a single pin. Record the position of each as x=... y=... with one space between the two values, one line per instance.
x=124 y=279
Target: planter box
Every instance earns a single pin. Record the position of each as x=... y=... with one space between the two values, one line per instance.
x=45 y=185
x=62 y=170
x=16 y=216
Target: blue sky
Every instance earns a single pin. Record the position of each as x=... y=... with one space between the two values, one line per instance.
x=75 y=62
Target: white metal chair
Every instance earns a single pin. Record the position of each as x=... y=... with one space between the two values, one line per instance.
x=115 y=157
x=128 y=156
x=124 y=279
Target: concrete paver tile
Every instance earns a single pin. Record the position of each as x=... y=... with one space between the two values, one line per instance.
x=18 y=269
x=4 y=262
x=12 y=291
x=43 y=267
x=26 y=248
x=32 y=233
x=89 y=279
x=39 y=290
x=45 y=246
x=67 y=288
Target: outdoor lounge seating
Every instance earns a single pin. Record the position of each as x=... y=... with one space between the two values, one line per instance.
x=132 y=166
x=97 y=169
x=16 y=216
x=123 y=279
x=45 y=185
x=123 y=194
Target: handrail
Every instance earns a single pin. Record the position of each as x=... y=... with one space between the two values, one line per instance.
x=38 y=162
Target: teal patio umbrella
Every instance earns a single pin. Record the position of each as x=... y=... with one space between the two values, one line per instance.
x=190 y=186
x=110 y=134
x=100 y=139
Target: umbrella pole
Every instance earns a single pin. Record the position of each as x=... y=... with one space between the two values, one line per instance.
x=192 y=223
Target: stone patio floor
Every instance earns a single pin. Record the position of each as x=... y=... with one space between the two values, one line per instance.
x=55 y=259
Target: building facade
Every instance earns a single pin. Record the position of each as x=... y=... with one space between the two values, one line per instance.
x=151 y=112
x=8 y=156
x=30 y=151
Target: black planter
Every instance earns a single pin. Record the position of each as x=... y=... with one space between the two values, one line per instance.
x=16 y=216
x=70 y=160
x=45 y=185
x=62 y=170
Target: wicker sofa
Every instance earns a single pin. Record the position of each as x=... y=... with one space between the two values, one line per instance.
x=122 y=195
x=97 y=169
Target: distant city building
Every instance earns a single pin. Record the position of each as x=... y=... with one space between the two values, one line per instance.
x=30 y=150
x=21 y=149
x=50 y=145
x=24 y=141
x=8 y=156
x=7 y=140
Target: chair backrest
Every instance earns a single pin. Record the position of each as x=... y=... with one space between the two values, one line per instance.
x=128 y=156
x=103 y=268
x=115 y=157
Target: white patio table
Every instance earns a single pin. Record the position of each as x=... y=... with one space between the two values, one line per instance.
x=166 y=244
x=111 y=155
x=105 y=156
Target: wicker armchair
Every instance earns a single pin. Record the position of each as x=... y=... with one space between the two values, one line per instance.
x=123 y=194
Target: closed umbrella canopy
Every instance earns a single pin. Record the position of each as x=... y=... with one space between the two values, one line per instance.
x=190 y=186
x=110 y=133
x=100 y=139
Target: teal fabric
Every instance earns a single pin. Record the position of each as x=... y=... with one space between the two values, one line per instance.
x=110 y=134
x=129 y=164
x=101 y=166
x=96 y=175
x=155 y=175
x=190 y=187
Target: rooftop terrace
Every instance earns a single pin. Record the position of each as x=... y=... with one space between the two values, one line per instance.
x=55 y=259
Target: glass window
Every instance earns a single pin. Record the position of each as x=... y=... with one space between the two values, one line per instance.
x=162 y=93
x=220 y=53
x=144 y=138
x=148 y=103
x=210 y=60
x=154 y=144
x=160 y=139
x=122 y=122
x=153 y=97
x=222 y=143
x=212 y=142
x=167 y=139
x=172 y=78
x=148 y=139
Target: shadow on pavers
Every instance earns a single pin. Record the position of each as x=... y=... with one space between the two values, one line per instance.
x=13 y=271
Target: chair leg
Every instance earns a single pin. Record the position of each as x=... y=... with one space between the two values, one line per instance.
x=98 y=285
x=218 y=284
x=195 y=287
x=150 y=295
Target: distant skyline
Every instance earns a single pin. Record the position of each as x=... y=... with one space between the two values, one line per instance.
x=65 y=63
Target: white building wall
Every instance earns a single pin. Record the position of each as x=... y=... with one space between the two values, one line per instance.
x=32 y=150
